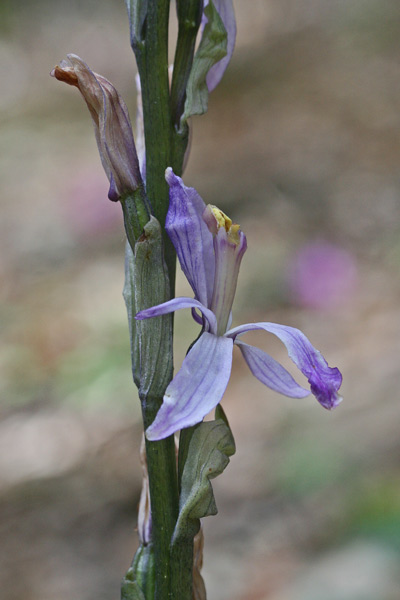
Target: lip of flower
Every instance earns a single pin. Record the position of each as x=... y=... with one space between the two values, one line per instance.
x=210 y=250
x=111 y=124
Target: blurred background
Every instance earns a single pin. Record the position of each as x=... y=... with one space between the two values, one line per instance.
x=301 y=145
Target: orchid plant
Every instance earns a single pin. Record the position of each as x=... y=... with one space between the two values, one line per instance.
x=163 y=220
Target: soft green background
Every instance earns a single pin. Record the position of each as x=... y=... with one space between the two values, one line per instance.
x=302 y=142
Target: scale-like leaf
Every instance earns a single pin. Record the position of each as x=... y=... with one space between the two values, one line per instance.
x=130 y=590
x=137 y=13
x=146 y=284
x=139 y=581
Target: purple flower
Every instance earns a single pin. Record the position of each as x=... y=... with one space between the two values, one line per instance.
x=111 y=124
x=210 y=249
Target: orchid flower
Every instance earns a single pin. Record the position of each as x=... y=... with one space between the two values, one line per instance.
x=210 y=249
x=111 y=124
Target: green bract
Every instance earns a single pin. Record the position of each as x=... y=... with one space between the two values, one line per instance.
x=146 y=278
x=212 y=48
x=211 y=446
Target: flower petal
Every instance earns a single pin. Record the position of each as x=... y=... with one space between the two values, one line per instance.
x=227 y=14
x=197 y=387
x=229 y=247
x=270 y=372
x=190 y=235
x=176 y=304
x=324 y=381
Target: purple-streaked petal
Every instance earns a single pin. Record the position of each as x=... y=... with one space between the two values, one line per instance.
x=176 y=304
x=190 y=236
x=229 y=247
x=197 y=387
x=270 y=372
x=324 y=381
x=227 y=14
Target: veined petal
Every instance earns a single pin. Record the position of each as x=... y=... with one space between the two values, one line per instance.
x=197 y=387
x=324 y=381
x=176 y=304
x=190 y=236
x=227 y=14
x=270 y=372
x=229 y=247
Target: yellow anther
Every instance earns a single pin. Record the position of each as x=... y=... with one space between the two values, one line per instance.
x=234 y=233
x=222 y=219
x=232 y=229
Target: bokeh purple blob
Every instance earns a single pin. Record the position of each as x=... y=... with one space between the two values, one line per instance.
x=87 y=210
x=322 y=275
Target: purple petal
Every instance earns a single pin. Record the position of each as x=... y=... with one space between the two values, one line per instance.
x=227 y=14
x=229 y=248
x=270 y=372
x=197 y=387
x=324 y=381
x=176 y=304
x=190 y=236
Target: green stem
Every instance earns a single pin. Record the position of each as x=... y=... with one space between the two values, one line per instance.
x=161 y=464
x=151 y=51
x=182 y=575
x=165 y=146
x=152 y=60
x=136 y=211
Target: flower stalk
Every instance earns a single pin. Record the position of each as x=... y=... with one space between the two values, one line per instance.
x=149 y=40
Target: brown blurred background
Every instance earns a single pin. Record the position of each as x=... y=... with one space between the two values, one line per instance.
x=301 y=145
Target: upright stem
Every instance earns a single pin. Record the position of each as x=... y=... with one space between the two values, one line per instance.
x=165 y=146
x=152 y=60
x=136 y=211
x=182 y=575
x=161 y=464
